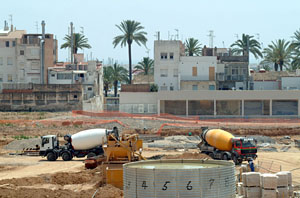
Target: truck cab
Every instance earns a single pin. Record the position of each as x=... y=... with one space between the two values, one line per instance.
x=244 y=149
x=49 y=142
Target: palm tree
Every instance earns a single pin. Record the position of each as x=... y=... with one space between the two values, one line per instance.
x=242 y=46
x=79 y=42
x=279 y=53
x=296 y=42
x=118 y=74
x=146 y=66
x=192 y=47
x=131 y=31
x=107 y=81
x=295 y=45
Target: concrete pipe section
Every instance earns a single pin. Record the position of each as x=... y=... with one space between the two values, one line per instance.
x=179 y=178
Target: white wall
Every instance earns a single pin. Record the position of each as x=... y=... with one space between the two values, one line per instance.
x=290 y=83
x=169 y=64
x=266 y=85
x=202 y=63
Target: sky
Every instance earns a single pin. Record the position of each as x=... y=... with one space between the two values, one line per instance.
x=266 y=20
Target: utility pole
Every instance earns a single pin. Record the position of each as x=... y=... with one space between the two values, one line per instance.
x=177 y=34
x=72 y=40
x=37 y=27
x=43 y=53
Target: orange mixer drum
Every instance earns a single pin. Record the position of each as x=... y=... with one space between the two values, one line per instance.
x=219 y=139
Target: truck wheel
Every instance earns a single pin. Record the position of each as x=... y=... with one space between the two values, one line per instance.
x=211 y=155
x=225 y=157
x=51 y=156
x=91 y=155
x=66 y=156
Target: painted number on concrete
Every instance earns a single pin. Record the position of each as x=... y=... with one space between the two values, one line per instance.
x=165 y=187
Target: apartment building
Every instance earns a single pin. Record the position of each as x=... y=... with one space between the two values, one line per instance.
x=24 y=58
x=88 y=74
x=175 y=71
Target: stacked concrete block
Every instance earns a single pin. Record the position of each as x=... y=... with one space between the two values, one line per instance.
x=284 y=178
x=251 y=184
x=269 y=185
x=269 y=193
x=269 y=181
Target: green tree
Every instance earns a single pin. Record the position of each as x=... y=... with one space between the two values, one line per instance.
x=107 y=80
x=279 y=53
x=192 y=47
x=131 y=31
x=79 y=42
x=118 y=74
x=296 y=40
x=295 y=45
x=146 y=66
x=241 y=46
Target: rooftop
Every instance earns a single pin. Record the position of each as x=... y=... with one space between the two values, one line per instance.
x=11 y=34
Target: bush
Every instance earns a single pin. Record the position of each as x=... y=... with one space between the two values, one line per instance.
x=153 y=88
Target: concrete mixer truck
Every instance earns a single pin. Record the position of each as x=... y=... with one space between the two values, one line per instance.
x=220 y=144
x=84 y=143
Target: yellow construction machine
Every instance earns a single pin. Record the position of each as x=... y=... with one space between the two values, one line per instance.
x=117 y=151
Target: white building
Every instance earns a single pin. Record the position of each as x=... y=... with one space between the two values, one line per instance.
x=20 y=56
x=175 y=71
x=89 y=74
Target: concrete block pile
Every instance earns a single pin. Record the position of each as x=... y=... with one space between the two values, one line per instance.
x=257 y=185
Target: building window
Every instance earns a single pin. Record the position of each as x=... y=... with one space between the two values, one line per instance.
x=80 y=67
x=164 y=88
x=1 y=77
x=234 y=71
x=14 y=43
x=194 y=72
x=52 y=75
x=9 y=78
x=171 y=88
x=172 y=55
x=22 y=52
x=90 y=89
x=175 y=73
x=7 y=43
x=1 y=61
x=75 y=97
x=35 y=65
x=9 y=61
x=195 y=87
x=163 y=73
x=163 y=55
x=64 y=76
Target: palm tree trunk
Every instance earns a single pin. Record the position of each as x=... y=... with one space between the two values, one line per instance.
x=275 y=66
x=116 y=88
x=105 y=90
x=129 y=54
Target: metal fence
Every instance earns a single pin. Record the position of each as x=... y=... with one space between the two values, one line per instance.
x=132 y=108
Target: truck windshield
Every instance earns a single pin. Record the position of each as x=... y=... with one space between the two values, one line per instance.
x=248 y=143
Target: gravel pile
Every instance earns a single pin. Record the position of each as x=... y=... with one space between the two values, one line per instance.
x=19 y=145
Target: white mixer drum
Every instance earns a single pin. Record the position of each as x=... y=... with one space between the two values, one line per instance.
x=88 y=139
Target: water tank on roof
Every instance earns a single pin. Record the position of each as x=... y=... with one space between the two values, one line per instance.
x=179 y=178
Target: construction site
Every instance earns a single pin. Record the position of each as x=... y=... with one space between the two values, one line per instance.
x=147 y=156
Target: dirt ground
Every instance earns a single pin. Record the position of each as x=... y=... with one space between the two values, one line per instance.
x=24 y=176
